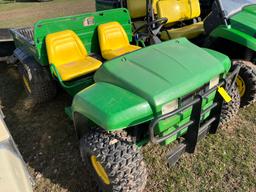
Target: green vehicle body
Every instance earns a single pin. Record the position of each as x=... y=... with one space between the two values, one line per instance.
x=241 y=28
x=132 y=89
x=156 y=94
x=128 y=101
x=229 y=28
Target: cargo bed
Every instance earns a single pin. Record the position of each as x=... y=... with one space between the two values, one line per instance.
x=26 y=34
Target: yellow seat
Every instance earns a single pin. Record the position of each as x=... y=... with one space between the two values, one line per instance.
x=177 y=11
x=114 y=41
x=68 y=54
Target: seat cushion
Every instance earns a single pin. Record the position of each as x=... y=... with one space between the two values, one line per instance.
x=111 y=54
x=64 y=47
x=112 y=36
x=189 y=31
x=113 y=40
x=78 y=68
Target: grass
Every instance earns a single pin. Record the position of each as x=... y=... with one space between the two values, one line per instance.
x=222 y=162
x=27 y=13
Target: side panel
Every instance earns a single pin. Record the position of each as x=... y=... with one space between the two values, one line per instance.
x=84 y=25
x=111 y=107
x=235 y=35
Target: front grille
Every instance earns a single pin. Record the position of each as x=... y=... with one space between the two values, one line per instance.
x=190 y=97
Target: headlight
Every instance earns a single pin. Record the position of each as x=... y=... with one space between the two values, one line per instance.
x=214 y=82
x=169 y=107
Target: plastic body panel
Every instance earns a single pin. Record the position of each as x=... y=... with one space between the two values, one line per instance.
x=132 y=89
x=166 y=71
x=111 y=107
x=242 y=28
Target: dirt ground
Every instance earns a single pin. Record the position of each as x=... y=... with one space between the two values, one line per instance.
x=26 y=13
x=46 y=138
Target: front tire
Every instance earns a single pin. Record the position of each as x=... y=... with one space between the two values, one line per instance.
x=114 y=161
x=246 y=82
x=231 y=109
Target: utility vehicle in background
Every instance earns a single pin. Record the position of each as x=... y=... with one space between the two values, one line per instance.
x=125 y=96
x=6 y=45
x=227 y=26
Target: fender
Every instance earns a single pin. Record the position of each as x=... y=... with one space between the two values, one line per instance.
x=41 y=72
x=110 y=107
x=234 y=35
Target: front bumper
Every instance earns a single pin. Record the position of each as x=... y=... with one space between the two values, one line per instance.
x=197 y=128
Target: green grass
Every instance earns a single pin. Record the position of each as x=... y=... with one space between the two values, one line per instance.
x=222 y=162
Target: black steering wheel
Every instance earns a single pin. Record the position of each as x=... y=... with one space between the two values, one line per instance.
x=158 y=23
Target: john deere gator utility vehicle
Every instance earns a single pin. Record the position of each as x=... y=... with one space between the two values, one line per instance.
x=125 y=96
x=224 y=25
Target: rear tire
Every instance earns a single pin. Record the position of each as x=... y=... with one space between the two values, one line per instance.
x=37 y=82
x=231 y=109
x=119 y=160
x=246 y=82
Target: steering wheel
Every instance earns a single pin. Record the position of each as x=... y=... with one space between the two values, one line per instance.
x=159 y=23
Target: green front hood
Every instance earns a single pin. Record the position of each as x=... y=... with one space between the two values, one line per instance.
x=164 y=72
x=245 y=20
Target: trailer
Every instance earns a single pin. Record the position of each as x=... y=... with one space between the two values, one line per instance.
x=6 y=45
x=14 y=176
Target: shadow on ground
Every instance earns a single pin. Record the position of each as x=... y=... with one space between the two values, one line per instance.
x=44 y=136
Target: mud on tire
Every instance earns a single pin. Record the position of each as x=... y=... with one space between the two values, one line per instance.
x=37 y=82
x=230 y=110
x=247 y=79
x=120 y=159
